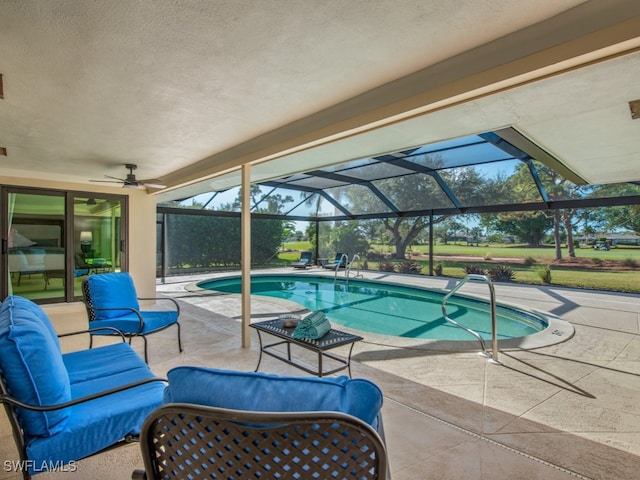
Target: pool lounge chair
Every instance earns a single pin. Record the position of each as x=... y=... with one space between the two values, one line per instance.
x=306 y=260
x=340 y=261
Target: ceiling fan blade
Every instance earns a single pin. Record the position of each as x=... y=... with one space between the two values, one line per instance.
x=115 y=178
x=153 y=183
x=107 y=181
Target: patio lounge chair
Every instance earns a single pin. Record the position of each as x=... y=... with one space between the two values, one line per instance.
x=231 y=424
x=65 y=407
x=340 y=261
x=306 y=260
x=111 y=301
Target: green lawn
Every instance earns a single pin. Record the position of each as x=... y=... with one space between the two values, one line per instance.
x=502 y=250
x=588 y=276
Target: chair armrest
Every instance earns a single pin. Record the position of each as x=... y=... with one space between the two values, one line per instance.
x=91 y=330
x=47 y=408
x=175 y=303
x=137 y=312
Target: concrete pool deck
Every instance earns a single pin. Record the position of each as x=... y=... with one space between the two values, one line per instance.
x=565 y=411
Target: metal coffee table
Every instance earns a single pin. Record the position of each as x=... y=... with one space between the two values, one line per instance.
x=333 y=339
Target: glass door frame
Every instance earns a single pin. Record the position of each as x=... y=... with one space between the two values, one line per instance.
x=68 y=235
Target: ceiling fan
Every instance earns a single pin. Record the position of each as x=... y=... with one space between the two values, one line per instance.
x=130 y=181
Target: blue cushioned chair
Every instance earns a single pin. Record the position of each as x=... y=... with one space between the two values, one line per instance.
x=64 y=407
x=230 y=424
x=111 y=301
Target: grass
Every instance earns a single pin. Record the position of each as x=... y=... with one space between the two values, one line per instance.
x=515 y=251
x=624 y=279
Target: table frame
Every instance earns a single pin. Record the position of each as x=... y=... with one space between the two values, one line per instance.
x=334 y=338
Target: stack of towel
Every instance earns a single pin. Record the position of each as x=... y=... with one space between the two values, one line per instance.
x=313 y=326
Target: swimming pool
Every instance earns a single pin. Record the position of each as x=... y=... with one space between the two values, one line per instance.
x=388 y=309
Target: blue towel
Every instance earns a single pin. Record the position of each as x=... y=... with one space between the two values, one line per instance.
x=313 y=326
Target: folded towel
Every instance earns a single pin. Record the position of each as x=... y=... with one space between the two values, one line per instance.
x=313 y=326
x=312 y=319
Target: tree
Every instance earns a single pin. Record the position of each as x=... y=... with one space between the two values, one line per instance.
x=418 y=191
x=529 y=227
x=557 y=188
x=349 y=238
x=626 y=217
x=447 y=228
x=476 y=233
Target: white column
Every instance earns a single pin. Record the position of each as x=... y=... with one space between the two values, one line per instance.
x=246 y=255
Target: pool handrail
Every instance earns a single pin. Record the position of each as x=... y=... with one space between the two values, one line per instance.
x=346 y=266
x=358 y=274
x=493 y=357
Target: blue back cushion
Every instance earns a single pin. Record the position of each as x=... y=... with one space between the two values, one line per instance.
x=273 y=393
x=112 y=290
x=32 y=365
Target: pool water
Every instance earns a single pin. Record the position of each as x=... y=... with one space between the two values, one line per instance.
x=388 y=309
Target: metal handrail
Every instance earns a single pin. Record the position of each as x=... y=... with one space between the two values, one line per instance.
x=346 y=264
x=358 y=274
x=494 y=329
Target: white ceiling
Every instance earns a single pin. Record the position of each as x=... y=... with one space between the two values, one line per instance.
x=187 y=89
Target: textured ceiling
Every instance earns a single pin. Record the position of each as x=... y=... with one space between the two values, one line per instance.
x=186 y=89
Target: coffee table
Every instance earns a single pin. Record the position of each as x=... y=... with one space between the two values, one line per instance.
x=333 y=339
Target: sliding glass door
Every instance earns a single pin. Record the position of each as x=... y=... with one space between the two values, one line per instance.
x=35 y=244
x=52 y=240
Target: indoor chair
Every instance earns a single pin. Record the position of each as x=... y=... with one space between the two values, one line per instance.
x=111 y=301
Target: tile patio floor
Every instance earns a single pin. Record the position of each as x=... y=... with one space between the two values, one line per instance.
x=565 y=411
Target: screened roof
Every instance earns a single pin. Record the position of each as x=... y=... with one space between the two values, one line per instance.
x=492 y=171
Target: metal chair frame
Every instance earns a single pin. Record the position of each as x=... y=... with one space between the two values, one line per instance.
x=181 y=440
x=91 y=314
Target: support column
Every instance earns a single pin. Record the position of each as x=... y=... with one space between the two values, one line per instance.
x=245 y=261
x=431 y=243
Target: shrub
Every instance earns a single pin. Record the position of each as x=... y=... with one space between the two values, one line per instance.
x=629 y=262
x=437 y=269
x=473 y=269
x=386 y=267
x=375 y=256
x=529 y=261
x=597 y=261
x=501 y=273
x=545 y=274
x=409 y=267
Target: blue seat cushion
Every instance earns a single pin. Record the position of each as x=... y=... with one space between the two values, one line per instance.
x=130 y=323
x=97 y=424
x=273 y=393
x=32 y=365
x=112 y=290
x=99 y=362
